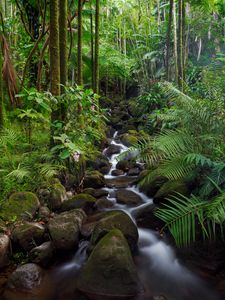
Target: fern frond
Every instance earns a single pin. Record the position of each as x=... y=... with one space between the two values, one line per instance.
x=20 y=174
x=180 y=218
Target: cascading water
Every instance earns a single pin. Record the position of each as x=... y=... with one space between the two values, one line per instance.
x=158 y=266
x=162 y=275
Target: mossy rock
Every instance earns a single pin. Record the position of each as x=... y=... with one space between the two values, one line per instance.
x=28 y=235
x=65 y=228
x=57 y=196
x=171 y=188
x=20 y=206
x=110 y=270
x=94 y=179
x=116 y=220
x=129 y=139
x=84 y=201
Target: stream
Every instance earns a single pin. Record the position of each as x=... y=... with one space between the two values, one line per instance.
x=161 y=273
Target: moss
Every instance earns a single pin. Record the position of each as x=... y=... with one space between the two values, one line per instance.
x=116 y=220
x=110 y=270
x=21 y=205
x=83 y=201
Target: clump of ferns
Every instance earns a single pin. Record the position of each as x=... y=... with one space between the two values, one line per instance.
x=184 y=216
x=193 y=146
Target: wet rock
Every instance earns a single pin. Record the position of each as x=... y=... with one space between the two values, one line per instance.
x=110 y=270
x=42 y=254
x=44 y=213
x=170 y=188
x=145 y=217
x=65 y=228
x=97 y=193
x=123 y=165
x=100 y=163
x=128 y=197
x=117 y=172
x=120 y=182
x=26 y=277
x=4 y=250
x=28 y=235
x=57 y=196
x=84 y=201
x=133 y=172
x=103 y=203
x=131 y=138
x=112 y=149
x=119 y=220
x=20 y=206
x=94 y=179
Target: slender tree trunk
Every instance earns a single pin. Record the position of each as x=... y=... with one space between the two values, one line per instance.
x=63 y=50
x=183 y=37
x=180 y=45
x=1 y=87
x=54 y=59
x=92 y=52
x=168 y=41
x=96 y=89
x=54 y=48
x=175 y=41
x=79 y=45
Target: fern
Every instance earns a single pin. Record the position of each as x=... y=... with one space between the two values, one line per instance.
x=183 y=215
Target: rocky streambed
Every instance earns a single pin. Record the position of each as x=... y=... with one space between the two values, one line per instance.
x=103 y=243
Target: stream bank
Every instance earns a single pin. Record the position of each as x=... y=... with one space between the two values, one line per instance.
x=111 y=228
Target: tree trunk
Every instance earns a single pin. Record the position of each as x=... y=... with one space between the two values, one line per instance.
x=92 y=52
x=96 y=89
x=79 y=45
x=183 y=38
x=54 y=59
x=175 y=41
x=180 y=45
x=63 y=50
x=54 y=48
x=168 y=42
x=1 y=87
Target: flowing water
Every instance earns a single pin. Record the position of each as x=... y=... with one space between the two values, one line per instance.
x=163 y=276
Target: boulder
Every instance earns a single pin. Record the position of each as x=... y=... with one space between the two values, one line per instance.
x=131 y=138
x=20 y=206
x=123 y=165
x=170 y=188
x=65 y=228
x=94 y=179
x=28 y=235
x=119 y=182
x=116 y=220
x=127 y=197
x=4 y=250
x=133 y=172
x=57 y=196
x=117 y=172
x=110 y=270
x=44 y=213
x=103 y=203
x=42 y=254
x=26 y=277
x=100 y=163
x=97 y=193
x=112 y=149
x=84 y=201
